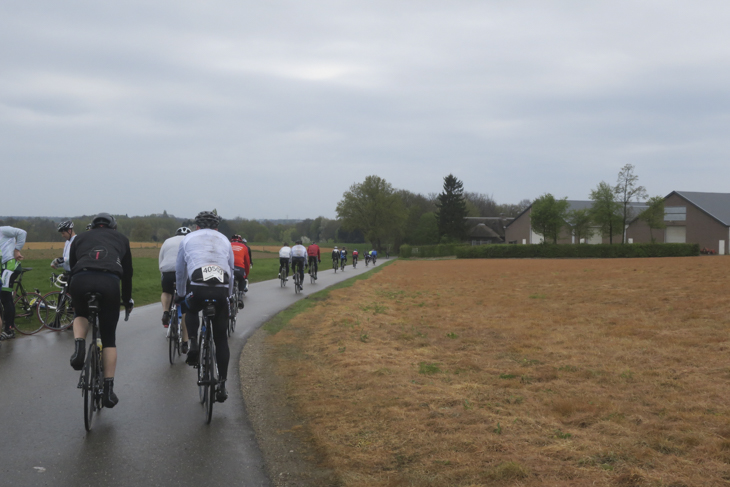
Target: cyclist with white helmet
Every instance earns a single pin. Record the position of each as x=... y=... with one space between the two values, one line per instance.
x=335 y=258
x=284 y=260
x=66 y=228
x=204 y=272
x=167 y=260
x=299 y=260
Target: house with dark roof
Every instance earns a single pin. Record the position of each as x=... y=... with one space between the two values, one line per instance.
x=486 y=230
x=690 y=217
x=519 y=230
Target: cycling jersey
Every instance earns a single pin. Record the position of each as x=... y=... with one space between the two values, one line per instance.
x=11 y=239
x=168 y=253
x=313 y=251
x=354 y=253
x=335 y=255
x=343 y=255
x=198 y=251
x=285 y=252
x=299 y=251
x=241 y=257
x=67 y=254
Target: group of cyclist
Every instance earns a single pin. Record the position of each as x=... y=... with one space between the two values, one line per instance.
x=197 y=267
x=339 y=257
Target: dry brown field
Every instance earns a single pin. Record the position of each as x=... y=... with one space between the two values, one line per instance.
x=518 y=372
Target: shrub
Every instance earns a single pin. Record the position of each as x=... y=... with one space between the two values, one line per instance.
x=441 y=250
x=405 y=251
x=548 y=251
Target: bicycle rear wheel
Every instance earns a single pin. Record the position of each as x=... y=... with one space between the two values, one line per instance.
x=56 y=314
x=202 y=369
x=89 y=384
x=27 y=317
x=174 y=338
x=212 y=381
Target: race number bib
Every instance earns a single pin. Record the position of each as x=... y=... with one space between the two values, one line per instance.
x=213 y=272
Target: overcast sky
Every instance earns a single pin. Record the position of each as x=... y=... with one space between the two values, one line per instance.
x=273 y=109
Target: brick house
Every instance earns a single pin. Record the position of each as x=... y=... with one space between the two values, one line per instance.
x=691 y=217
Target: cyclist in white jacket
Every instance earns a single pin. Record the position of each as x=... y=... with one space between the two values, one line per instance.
x=11 y=242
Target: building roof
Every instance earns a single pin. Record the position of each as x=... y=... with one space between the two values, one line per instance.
x=637 y=207
x=483 y=231
x=717 y=205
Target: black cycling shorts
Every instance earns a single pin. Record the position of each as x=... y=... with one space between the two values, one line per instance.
x=107 y=285
x=168 y=282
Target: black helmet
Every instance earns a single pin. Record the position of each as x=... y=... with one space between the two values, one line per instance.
x=298 y=242
x=67 y=225
x=182 y=231
x=104 y=219
x=207 y=219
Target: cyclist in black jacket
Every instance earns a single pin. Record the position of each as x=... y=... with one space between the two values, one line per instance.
x=100 y=259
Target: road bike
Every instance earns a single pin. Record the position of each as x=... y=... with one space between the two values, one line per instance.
x=233 y=312
x=30 y=309
x=367 y=260
x=282 y=275
x=342 y=264
x=354 y=262
x=335 y=264
x=174 y=331
x=207 y=365
x=297 y=281
x=58 y=313
x=91 y=381
x=312 y=272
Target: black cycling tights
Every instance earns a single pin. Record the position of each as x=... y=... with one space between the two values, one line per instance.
x=6 y=298
x=220 y=328
x=107 y=285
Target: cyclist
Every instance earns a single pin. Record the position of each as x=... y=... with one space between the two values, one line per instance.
x=206 y=260
x=367 y=258
x=250 y=265
x=314 y=257
x=284 y=260
x=66 y=229
x=299 y=260
x=242 y=263
x=99 y=259
x=343 y=257
x=374 y=255
x=335 y=257
x=354 y=258
x=11 y=242
x=167 y=260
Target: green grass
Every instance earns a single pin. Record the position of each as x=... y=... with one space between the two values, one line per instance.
x=279 y=321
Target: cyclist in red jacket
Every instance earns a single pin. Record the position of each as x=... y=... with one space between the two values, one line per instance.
x=314 y=257
x=242 y=265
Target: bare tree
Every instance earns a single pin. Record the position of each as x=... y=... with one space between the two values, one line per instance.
x=626 y=191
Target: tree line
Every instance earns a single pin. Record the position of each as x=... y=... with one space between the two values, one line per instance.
x=608 y=216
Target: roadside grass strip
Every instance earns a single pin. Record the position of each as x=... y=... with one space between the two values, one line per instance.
x=515 y=372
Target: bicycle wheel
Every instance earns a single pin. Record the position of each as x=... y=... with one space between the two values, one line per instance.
x=89 y=385
x=56 y=314
x=334 y=264
x=212 y=381
x=296 y=282
x=173 y=338
x=202 y=372
x=282 y=276
x=27 y=318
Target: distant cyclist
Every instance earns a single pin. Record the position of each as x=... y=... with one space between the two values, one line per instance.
x=374 y=255
x=66 y=229
x=314 y=257
x=100 y=259
x=299 y=260
x=284 y=260
x=367 y=258
x=167 y=260
x=206 y=260
x=242 y=263
x=335 y=257
x=343 y=258
x=250 y=264
x=355 y=254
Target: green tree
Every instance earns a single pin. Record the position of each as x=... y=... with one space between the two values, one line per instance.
x=427 y=231
x=547 y=216
x=452 y=209
x=627 y=190
x=580 y=223
x=654 y=215
x=374 y=208
x=606 y=211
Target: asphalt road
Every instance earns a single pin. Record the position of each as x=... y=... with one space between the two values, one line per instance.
x=157 y=434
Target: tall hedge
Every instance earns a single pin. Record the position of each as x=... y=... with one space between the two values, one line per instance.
x=441 y=250
x=548 y=251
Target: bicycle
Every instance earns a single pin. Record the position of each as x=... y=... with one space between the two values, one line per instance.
x=367 y=260
x=312 y=274
x=29 y=307
x=91 y=380
x=282 y=275
x=342 y=264
x=354 y=262
x=297 y=282
x=233 y=310
x=57 y=314
x=335 y=265
x=207 y=365
x=174 y=336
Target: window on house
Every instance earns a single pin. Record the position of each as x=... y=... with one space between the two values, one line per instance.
x=675 y=213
